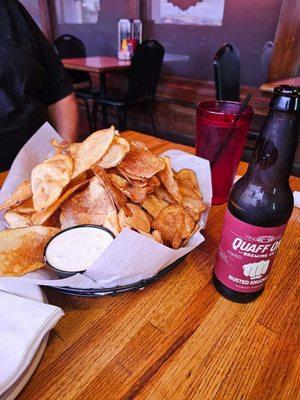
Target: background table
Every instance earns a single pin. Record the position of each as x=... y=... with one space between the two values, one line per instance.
x=178 y=338
x=99 y=64
x=269 y=86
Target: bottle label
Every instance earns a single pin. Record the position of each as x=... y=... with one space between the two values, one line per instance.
x=245 y=254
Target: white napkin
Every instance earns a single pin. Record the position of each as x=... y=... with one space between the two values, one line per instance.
x=296 y=199
x=23 y=324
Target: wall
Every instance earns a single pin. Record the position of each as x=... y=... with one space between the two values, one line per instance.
x=246 y=24
x=100 y=38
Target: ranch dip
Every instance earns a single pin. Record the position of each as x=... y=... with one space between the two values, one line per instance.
x=76 y=249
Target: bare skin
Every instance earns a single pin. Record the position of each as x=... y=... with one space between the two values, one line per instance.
x=64 y=117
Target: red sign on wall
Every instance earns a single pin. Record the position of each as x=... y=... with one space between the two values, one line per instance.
x=184 y=4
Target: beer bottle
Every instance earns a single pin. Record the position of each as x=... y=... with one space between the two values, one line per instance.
x=260 y=204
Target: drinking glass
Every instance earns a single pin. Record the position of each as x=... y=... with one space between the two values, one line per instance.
x=220 y=138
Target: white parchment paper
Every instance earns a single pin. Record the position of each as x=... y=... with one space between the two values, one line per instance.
x=131 y=256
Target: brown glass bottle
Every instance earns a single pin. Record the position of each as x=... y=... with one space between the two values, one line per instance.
x=260 y=204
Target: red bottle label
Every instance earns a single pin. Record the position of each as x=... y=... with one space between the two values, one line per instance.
x=245 y=254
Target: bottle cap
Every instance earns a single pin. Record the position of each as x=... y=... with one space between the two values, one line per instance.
x=286 y=98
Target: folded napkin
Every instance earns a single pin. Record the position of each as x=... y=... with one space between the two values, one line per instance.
x=296 y=199
x=23 y=324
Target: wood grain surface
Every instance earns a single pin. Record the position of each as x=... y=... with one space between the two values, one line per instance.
x=269 y=86
x=178 y=338
x=95 y=64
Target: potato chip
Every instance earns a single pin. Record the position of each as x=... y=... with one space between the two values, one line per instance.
x=60 y=147
x=191 y=201
x=162 y=194
x=138 y=181
x=24 y=208
x=154 y=205
x=80 y=178
x=21 y=249
x=170 y=223
x=174 y=224
x=167 y=178
x=54 y=220
x=21 y=193
x=153 y=181
x=196 y=229
x=157 y=236
x=39 y=218
x=92 y=150
x=141 y=163
x=48 y=180
x=111 y=222
x=136 y=194
x=90 y=206
x=142 y=182
x=138 y=220
x=118 y=181
x=73 y=149
x=187 y=178
x=118 y=197
x=17 y=220
x=115 y=154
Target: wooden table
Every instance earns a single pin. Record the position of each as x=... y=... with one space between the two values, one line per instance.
x=269 y=86
x=178 y=338
x=99 y=64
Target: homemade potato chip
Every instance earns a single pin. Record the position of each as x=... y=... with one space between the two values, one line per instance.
x=138 y=220
x=118 y=197
x=115 y=154
x=141 y=163
x=174 y=224
x=187 y=178
x=154 y=205
x=191 y=201
x=167 y=178
x=92 y=150
x=142 y=182
x=21 y=249
x=48 y=180
x=157 y=236
x=111 y=222
x=136 y=194
x=132 y=178
x=39 y=218
x=118 y=181
x=25 y=207
x=17 y=220
x=80 y=178
x=21 y=193
x=162 y=194
x=90 y=206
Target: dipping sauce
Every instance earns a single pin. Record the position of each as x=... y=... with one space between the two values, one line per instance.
x=75 y=249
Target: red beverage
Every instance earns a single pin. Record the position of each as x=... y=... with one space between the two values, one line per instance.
x=218 y=142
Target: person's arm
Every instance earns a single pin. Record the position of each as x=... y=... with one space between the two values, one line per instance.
x=64 y=117
x=56 y=91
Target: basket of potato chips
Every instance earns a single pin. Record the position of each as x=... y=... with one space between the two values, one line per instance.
x=154 y=204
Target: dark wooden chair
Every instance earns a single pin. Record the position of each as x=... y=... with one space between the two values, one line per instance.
x=142 y=83
x=68 y=46
x=227 y=73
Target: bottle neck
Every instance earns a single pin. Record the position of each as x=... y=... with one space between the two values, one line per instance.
x=274 y=153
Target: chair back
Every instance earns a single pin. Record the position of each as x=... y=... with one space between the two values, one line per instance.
x=68 y=46
x=227 y=73
x=145 y=70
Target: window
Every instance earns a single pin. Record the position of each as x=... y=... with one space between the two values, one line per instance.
x=77 y=11
x=188 y=12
